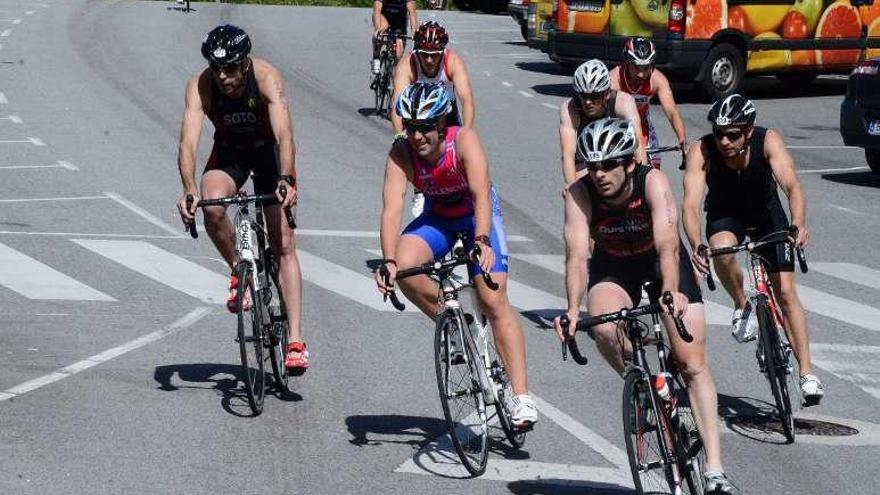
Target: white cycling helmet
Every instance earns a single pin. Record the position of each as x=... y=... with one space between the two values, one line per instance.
x=606 y=139
x=592 y=77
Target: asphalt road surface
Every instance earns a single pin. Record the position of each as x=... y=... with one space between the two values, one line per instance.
x=118 y=368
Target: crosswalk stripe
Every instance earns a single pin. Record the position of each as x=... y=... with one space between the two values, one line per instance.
x=856 y=364
x=163 y=267
x=840 y=309
x=850 y=272
x=34 y=280
x=348 y=283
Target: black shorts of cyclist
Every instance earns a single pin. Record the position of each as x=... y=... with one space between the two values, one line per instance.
x=632 y=272
x=779 y=257
x=238 y=161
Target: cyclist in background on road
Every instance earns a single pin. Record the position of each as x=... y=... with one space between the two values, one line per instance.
x=391 y=16
x=638 y=77
x=449 y=165
x=594 y=99
x=432 y=61
x=741 y=164
x=630 y=211
x=245 y=99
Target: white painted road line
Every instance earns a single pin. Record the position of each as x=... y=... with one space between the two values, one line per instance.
x=550 y=105
x=850 y=272
x=66 y=165
x=840 y=309
x=3 y=100
x=144 y=214
x=526 y=94
x=5 y=33
x=34 y=280
x=15 y=119
x=823 y=147
x=347 y=283
x=857 y=364
x=61 y=198
x=827 y=170
x=89 y=234
x=78 y=367
x=13 y=21
x=163 y=267
x=32 y=140
x=507 y=84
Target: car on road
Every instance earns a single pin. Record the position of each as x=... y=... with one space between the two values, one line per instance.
x=519 y=10
x=860 y=111
x=540 y=21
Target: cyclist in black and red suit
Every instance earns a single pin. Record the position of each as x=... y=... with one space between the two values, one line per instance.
x=392 y=16
x=741 y=165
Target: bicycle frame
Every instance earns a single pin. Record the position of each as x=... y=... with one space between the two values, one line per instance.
x=763 y=286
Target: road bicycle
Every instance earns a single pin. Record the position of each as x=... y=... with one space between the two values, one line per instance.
x=470 y=375
x=664 y=448
x=774 y=350
x=262 y=325
x=382 y=84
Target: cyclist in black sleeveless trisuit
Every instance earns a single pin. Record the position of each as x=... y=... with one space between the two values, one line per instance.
x=742 y=165
x=630 y=212
x=245 y=99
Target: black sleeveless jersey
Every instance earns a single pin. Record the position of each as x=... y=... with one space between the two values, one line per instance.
x=623 y=231
x=243 y=120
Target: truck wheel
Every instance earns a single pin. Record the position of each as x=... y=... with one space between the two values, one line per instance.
x=524 y=30
x=872 y=156
x=722 y=71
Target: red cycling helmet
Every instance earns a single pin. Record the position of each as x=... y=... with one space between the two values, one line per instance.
x=430 y=37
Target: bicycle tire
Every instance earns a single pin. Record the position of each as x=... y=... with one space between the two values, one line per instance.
x=502 y=383
x=691 y=450
x=278 y=332
x=775 y=363
x=250 y=334
x=470 y=433
x=653 y=472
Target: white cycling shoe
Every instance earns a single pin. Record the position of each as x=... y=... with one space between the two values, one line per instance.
x=744 y=327
x=523 y=412
x=812 y=390
x=718 y=484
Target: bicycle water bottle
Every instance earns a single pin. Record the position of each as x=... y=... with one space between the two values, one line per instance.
x=661 y=385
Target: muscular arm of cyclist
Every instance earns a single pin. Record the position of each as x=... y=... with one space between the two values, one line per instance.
x=272 y=88
x=576 y=232
x=393 y=196
x=190 y=130
x=625 y=108
x=667 y=102
x=694 y=188
x=461 y=82
x=412 y=16
x=403 y=77
x=379 y=22
x=614 y=77
x=782 y=165
x=664 y=218
x=567 y=142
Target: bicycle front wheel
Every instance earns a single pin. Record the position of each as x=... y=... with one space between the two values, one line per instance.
x=776 y=362
x=504 y=392
x=278 y=330
x=250 y=339
x=461 y=394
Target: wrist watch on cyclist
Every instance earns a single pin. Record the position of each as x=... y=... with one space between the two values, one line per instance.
x=484 y=240
x=291 y=180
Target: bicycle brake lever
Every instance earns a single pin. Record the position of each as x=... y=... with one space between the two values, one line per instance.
x=191 y=227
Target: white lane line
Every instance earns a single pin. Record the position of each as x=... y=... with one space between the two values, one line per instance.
x=844 y=208
x=827 y=170
x=68 y=165
x=60 y=198
x=347 y=283
x=13 y=21
x=551 y=105
x=507 y=84
x=36 y=141
x=850 y=272
x=80 y=366
x=5 y=33
x=32 y=140
x=526 y=94
x=34 y=280
x=840 y=309
x=15 y=119
x=143 y=213
x=65 y=165
x=857 y=364
x=529 y=298
x=30 y=12
x=164 y=267
x=822 y=147
x=3 y=100
x=90 y=234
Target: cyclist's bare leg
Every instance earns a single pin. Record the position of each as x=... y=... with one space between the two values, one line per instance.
x=728 y=269
x=218 y=184
x=691 y=359
x=421 y=290
x=507 y=330
x=607 y=297
x=289 y=274
x=795 y=319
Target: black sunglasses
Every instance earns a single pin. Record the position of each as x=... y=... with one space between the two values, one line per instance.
x=412 y=127
x=731 y=136
x=592 y=96
x=607 y=165
x=228 y=68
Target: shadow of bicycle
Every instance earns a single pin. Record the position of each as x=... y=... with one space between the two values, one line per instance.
x=551 y=486
x=865 y=179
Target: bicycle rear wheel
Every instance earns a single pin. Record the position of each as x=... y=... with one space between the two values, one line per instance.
x=277 y=330
x=250 y=339
x=461 y=394
x=776 y=362
x=649 y=440
x=501 y=382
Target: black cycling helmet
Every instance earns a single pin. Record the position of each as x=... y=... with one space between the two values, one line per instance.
x=639 y=51
x=733 y=110
x=226 y=45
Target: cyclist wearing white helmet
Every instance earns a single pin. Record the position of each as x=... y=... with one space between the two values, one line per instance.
x=638 y=77
x=594 y=99
x=629 y=210
x=448 y=164
x=739 y=167
x=246 y=100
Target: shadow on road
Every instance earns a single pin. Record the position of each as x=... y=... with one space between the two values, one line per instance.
x=752 y=418
x=408 y=430
x=550 y=486
x=563 y=89
x=222 y=378
x=867 y=179
x=544 y=68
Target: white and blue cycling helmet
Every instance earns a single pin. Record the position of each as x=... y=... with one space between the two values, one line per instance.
x=423 y=101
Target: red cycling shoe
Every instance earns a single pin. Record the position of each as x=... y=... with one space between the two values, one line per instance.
x=297 y=363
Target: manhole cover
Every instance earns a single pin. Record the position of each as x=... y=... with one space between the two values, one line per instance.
x=802 y=426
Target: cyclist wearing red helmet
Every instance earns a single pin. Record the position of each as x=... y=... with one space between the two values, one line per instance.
x=638 y=77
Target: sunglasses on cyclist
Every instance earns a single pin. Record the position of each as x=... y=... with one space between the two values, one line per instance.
x=607 y=165
x=430 y=53
x=422 y=127
x=592 y=96
x=732 y=135
x=228 y=68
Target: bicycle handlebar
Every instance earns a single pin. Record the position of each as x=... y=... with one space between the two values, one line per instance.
x=663 y=149
x=772 y=238
x=631 y=313
x=239 y=199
